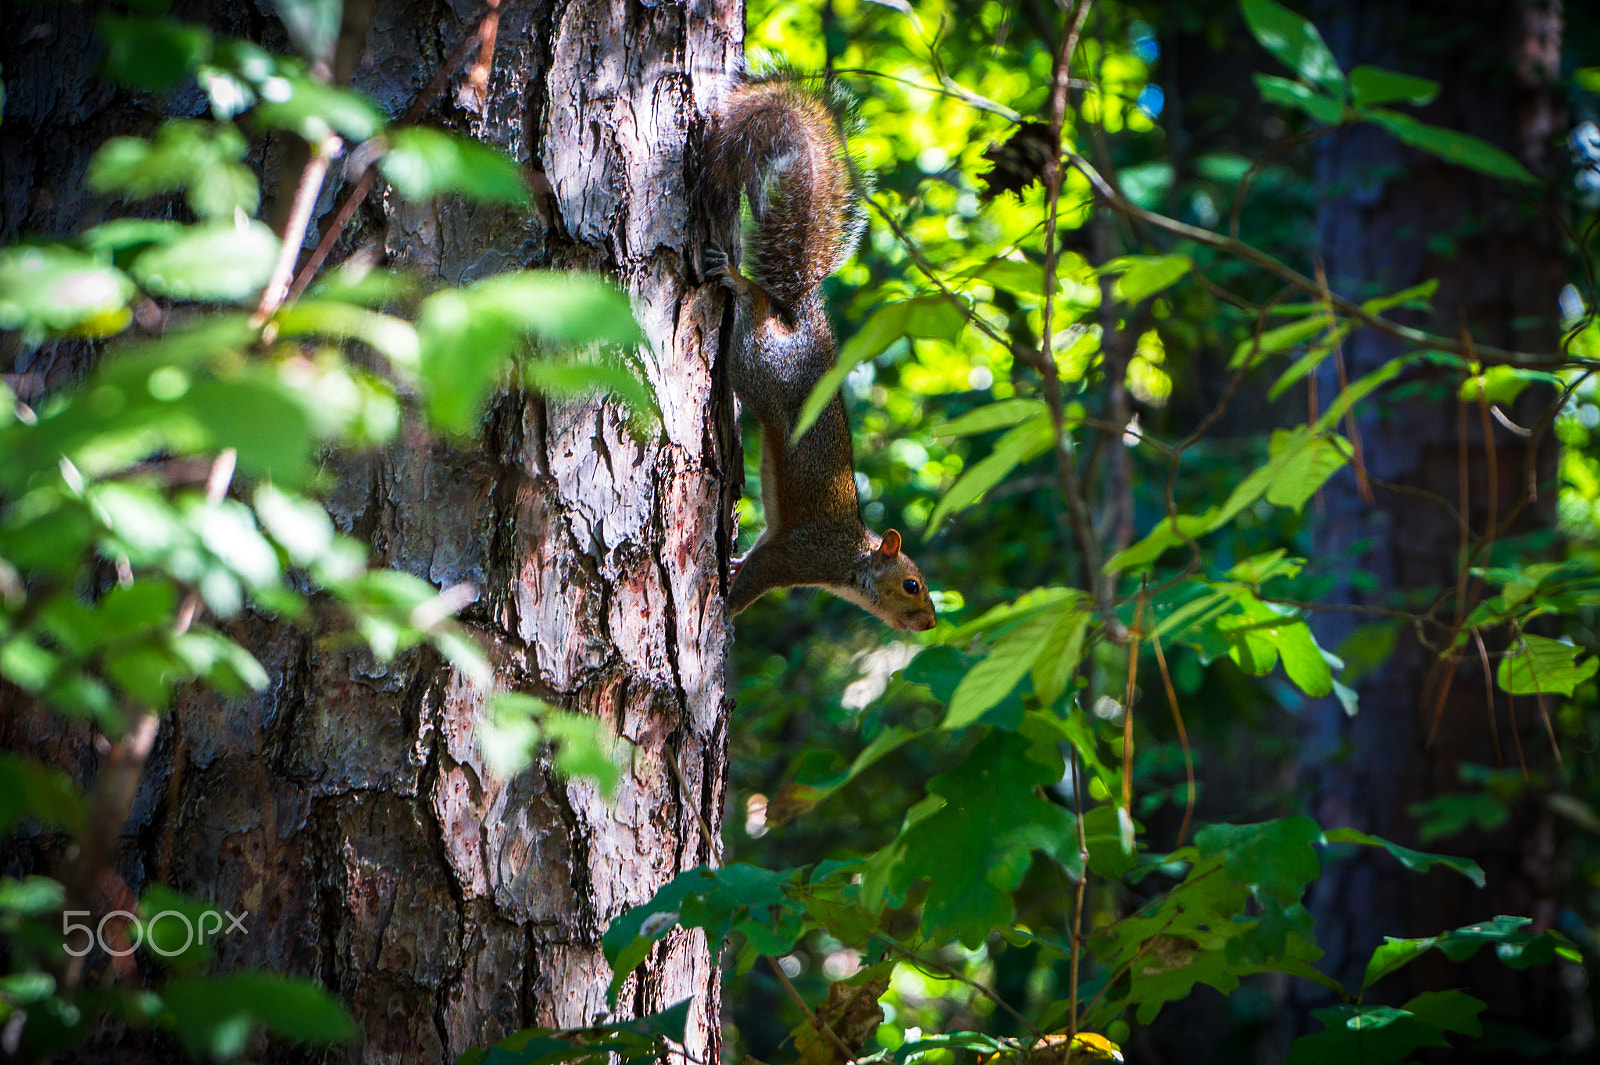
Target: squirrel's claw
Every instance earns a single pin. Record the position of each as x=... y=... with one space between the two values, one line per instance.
x=717 y=266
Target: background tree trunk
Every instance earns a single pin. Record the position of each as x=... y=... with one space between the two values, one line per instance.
x=347 y=806
x=1390 y=218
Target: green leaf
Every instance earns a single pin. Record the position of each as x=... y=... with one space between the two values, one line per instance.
x=395 y=337
x=1371 y=85
x=203 y=157
x=576 y=377
x=300 y=526
x=1503 y=384
x=1001 y=414
x=1302 y=465
x=1393 y=955
x=1375 y=1034
x=1061 y=653
x=1514 y=942
x=313 y=25
x=516 y=725
x=737 y=897
x=1448 y=1011
x=28 y=789
x=1288 y=93
x=1358 y=391
x=1540 y=664
x=151 y=53
x=1447 y=815
x=929 y=317
x=1024 y=443
x=217 y=1015
x=1274 y=858
x=1296 y=43
x=316 y=110
x=975 y=849
x=1417 y=298
x=33 y=896
x=1416 y=861
x=992 y=679
x=468 y=334
x=422 y=163
x=1145 y=275
x=1460 y=148
x=1280 y=339
x=47 y=289
x=216 y=261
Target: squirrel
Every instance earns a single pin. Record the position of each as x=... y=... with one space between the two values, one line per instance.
x=781 y=145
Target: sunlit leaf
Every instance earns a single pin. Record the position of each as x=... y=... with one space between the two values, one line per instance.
x=1296 y=43
x=219 y=261
x=1540 y=664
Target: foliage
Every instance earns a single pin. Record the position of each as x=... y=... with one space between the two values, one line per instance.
x=965 y=853
x=1006 y=779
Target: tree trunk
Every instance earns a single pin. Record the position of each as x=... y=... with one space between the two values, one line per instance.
x=347 y=807
x=1391 y=218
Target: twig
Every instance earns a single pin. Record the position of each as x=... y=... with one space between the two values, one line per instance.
x=294 y=230
x=353 y=199
x=821 y=1026
x=1078 y=516
x=1183 y=737
x=1076 y=939
x=1260 y=258
x=216 y=488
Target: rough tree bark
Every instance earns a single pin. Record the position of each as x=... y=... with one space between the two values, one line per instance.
x=347 y=807
x=1390 y=218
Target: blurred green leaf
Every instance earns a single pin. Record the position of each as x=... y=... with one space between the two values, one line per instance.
x=217 y=1015
x=31 y=790
x=1371 y=85
x=151 y=53
x=315 y=111
x=422 y=163
x=218 y=261
x=49 y=289
x=974 y=850
x=1286 y=93
x=517 y=724
x=469 y=334
x=1023 y=443
x=202 y=157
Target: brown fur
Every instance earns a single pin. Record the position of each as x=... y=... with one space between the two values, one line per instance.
x=780 y=145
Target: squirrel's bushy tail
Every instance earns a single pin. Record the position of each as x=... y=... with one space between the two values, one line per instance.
x=783 y=145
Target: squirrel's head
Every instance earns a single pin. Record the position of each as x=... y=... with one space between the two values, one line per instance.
x=902 y=594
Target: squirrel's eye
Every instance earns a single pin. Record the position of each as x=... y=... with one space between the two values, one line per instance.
x=911 y=586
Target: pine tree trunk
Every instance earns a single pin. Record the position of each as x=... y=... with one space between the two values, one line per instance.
x=1391 y=218
x=347 y=807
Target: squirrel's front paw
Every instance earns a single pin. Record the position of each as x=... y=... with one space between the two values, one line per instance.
x=716 y=265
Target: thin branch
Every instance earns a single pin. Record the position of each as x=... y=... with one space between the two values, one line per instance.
x=358 y=193
x=1260 y=258
x=817 y=1023
x=306 y=192
x=1078 y=516
x=1183 y=737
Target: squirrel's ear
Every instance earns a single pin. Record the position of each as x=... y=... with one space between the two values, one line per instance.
x=891 y=544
